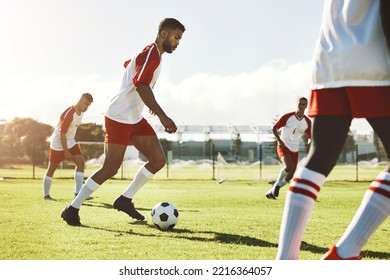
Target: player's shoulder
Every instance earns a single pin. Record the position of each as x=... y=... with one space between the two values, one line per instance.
x=288 y=115
x=150 y=54
x=308 y=120
x=69 y=111
x=151 y=49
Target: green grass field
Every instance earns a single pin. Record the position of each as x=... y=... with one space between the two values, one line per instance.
x=229 y=221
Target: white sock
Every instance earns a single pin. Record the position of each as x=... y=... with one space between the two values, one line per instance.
x=141 y=178
x=89 y=187
x=47 y=185
x=373 y=210
x=299 y=204
x=78 y=179
x=280 y=181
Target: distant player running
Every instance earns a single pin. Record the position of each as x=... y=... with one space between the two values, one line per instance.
x=293 y=126
x=63 y=145
x=351 y=79
x=125 y=124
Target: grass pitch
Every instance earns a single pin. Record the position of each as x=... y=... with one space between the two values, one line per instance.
x=229 y=221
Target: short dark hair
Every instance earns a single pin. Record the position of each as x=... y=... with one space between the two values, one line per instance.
x=302 y=98
x=170 y=23
x=87 y=96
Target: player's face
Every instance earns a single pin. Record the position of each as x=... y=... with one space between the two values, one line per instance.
x=172 y=40
x=84 y=104
x=302 y=105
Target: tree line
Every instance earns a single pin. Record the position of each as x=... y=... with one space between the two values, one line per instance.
x=25 y=140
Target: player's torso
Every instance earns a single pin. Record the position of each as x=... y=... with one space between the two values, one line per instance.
x=293 y=130
x=68 y=124
x=127 y=105
x=352 y=49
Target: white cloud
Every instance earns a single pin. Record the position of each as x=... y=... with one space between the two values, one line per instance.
x=253 y=98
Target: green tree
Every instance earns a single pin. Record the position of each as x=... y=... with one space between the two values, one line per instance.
x=90 y=137
x=90 y=132
x=380 y=150
x=27 y=137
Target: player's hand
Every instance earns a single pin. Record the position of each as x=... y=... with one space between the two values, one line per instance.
x=67 y=154
x=152 y=113
x=170 y=126
x=281 y=144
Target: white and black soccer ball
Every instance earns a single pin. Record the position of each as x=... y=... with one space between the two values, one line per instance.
x=165 y=215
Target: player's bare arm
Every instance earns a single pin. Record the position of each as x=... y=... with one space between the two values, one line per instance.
x=148 y=98
x=276 y=133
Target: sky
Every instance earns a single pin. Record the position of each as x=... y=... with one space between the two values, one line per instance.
x=239 y=62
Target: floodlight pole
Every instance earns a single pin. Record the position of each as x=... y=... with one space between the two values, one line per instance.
x=213 y=157
x=357 y=162
x=261 y=160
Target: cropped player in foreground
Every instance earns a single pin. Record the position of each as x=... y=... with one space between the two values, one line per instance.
x=351 y=79
x=63 y=146
x=125 y=124
x=293 y=126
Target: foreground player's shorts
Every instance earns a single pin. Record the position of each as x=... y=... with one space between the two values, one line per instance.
x=360 y=102
x=58 y=156
x=284 y=151
x=121 y=133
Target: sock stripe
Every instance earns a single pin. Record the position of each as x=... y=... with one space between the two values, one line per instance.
x=307 y=182
x=381 y=186
x=380 y=191
x=311 y=192
x=382 y=182
x=304 y=192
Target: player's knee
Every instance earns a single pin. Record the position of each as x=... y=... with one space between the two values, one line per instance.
x=111 y=172
x=107 y=171
x=158 y=163
x=289 y=170
x=80 y=165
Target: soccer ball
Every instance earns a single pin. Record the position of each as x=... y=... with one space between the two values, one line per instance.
x=165 y=215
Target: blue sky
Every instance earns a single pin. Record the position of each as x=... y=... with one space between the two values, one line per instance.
x=239 y=62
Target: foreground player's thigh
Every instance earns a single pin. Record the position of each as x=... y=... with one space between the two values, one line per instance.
x=79 y=161
x=151 y=148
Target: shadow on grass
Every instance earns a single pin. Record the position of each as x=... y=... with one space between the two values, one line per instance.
x=91 y=203
x=219 y=237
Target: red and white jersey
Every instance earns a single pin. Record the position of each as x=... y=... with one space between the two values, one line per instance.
x=352 y=49
x=68 y=123
x=293 y=128
x=127 y=105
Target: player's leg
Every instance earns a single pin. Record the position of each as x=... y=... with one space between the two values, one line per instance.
x=78 y=160
x=374 y=208
x=111 y=165
x=150 y=147
x=328 y=138
x=145 y=140
x=48 y=179
x=285 y=174
x=112 y=162
x=55 y=157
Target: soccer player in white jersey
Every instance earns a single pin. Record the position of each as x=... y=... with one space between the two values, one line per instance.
x=293 y=126
x=351 y=79
x=63 y=145
x=125 y=124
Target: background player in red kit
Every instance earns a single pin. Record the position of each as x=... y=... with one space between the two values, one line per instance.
x=351 y=79
x=125 y=124
x=63 y=145
x=293 y=126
